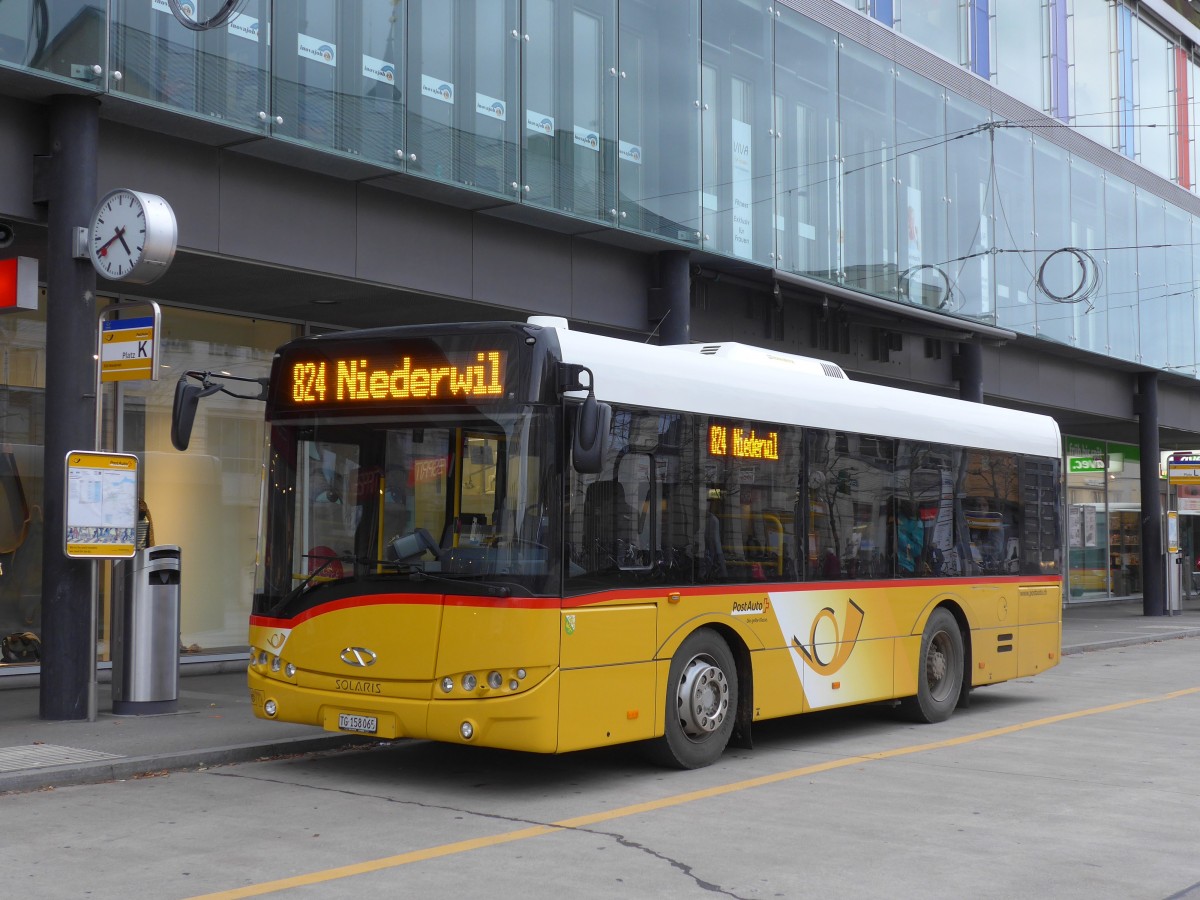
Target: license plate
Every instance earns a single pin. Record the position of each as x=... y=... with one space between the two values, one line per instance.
x=360 y=724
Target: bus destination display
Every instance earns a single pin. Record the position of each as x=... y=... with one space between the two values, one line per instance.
x=742 y=443
x=471 y=376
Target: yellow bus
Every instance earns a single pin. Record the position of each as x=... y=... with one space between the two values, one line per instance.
x=522 y=536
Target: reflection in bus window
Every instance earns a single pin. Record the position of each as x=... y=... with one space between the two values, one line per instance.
x=849 y=492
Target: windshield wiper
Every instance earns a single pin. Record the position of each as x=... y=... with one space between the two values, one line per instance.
x=492 y=590
x=309 y=579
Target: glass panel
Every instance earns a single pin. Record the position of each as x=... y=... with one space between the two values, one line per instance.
x=1060 y=276
x=1194 y=369
x=377 y=500
x=1013 y=174
x=658 y=151
x=1124 y=518
x=739 y=151
x=866 y=94
x=1090 y=311
x=373 y=103
x=1152 y=279
x=924 y=278
x=206 y=499
x=750 y=472
x=847 y=495
x=1193 y=124
x=570 y=82
x=638 y=521
x=1180 y=298
x=991 y=505
x=1154 y=95
x=22 y=447
x=1020 y=62
x=925 y=534
x=934 y=23
x=64 y=37
x=970 y=231
x=1092 y=109
x=807 y=145
x=1120 y=274
x=1039 y=530
x=462 y=76
x=220 y=73
x=304 y=70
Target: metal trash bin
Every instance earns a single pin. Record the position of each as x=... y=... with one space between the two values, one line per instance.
x=145 y=632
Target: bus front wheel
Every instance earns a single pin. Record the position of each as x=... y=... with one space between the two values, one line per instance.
x=701 y=703
x=939 y=672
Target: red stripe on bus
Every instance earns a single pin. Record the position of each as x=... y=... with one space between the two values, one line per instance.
x=630 y=594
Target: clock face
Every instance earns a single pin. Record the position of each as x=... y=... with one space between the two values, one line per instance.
x=118 y=234
x=133 y=236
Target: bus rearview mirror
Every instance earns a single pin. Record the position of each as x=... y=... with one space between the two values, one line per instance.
x=183 y=412
x=590 y=445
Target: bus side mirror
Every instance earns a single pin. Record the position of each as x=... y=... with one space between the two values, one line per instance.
x=590 y=445
x=183 y=412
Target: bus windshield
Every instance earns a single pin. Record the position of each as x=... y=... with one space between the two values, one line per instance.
x=431 y=503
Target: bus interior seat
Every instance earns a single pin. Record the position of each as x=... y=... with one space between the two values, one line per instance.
x=606 y=520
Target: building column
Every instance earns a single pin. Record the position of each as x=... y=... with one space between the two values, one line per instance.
x=967 y=368
x=68 y=639
x=1153 y=558
x=670 y=307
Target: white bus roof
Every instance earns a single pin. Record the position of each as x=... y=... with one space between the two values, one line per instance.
x=742 y=382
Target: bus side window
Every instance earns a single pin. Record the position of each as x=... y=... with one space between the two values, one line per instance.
x=607 y=519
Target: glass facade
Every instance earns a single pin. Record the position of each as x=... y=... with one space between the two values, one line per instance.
x=748 y=131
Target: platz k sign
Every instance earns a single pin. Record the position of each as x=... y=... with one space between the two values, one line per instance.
x=127 y=349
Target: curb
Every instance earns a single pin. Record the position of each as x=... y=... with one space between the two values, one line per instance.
x=1130 y=641
x=126 y=767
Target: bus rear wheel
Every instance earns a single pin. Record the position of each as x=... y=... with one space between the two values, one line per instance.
x=939 y=672
x=701 y=703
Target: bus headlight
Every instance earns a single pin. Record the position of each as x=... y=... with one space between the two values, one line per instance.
x=290 y=671
x=447 y=684
x=467 y=730
x=276 y=663
x=270 y=708
x=495 y=679
x=469 y=682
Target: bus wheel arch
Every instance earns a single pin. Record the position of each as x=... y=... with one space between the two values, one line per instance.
x=703 y=701
x=941 y=668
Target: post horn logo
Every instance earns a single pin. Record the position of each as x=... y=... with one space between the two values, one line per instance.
x=842 y=644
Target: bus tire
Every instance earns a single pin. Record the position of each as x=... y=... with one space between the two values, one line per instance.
x=939 y=670
x=701 y=703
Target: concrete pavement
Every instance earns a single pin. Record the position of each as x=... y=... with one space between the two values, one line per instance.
x=214 y=725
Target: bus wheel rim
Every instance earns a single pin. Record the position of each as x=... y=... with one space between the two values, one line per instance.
x=937 y=664
x=703 y=698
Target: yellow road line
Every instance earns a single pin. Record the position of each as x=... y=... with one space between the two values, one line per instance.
x=403 y=859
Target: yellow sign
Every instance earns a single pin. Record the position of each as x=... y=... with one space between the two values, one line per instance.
x=102 y=505
x=1183 y=468
x=127 y=349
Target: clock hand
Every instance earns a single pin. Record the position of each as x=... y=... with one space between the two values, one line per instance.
x=120 y=235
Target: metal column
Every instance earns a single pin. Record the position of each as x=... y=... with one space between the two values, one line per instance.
x=968 y=369
x=1153 y=560
x=68 y=643
x=673 y=314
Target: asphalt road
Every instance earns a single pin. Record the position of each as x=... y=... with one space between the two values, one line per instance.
x=1083 y=782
